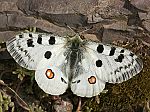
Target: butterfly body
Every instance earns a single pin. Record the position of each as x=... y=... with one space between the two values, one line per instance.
x=74 y=56
x=64 y=62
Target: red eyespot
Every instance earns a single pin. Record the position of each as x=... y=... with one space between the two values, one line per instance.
x=49 y=74
x=92 y=80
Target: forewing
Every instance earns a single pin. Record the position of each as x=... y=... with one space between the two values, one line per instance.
x=117 y=64
x=29 y=48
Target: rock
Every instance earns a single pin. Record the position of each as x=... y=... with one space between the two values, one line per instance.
x=54 y=16
x=56 y=6
x=141 y=4
x=8 y=5
x=3 y=21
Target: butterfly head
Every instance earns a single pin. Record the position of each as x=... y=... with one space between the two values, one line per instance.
x=75 y=41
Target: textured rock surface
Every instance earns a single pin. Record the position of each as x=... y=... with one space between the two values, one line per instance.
x=53 y=16
x=50 y=15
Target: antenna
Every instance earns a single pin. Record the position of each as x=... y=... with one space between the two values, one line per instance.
x=70 y=28
x=79 y=33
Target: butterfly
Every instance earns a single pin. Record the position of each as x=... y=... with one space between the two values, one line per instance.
x=72 y=62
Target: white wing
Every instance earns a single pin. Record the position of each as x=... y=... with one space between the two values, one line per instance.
x=102 y=63
x=45 y=54
x=29 y=48
x=50 y=75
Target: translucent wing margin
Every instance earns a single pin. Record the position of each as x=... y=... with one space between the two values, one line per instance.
x=117 y=64
x=29 y=48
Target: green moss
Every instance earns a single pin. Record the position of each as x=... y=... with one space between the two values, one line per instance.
x=5 y=102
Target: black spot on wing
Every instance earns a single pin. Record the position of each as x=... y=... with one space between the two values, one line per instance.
x=112 y=51
x=131 y=54
x=47 y=54
x=39 y=40
x=129 y=65
x=120 y=68
x=120 y=58
x=78 y=81
x=63 y=80
x=25 y=51
x=21 y=49
x=116 y=71
x=98 y=63
x=125 y=67
x=52 y=40
x=122 y=51
x=30 y=43
x=20 y=36
x=100 y=48
x=30 y=35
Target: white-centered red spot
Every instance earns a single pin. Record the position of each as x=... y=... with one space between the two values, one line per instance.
x=92 y=80
x=49 y=74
